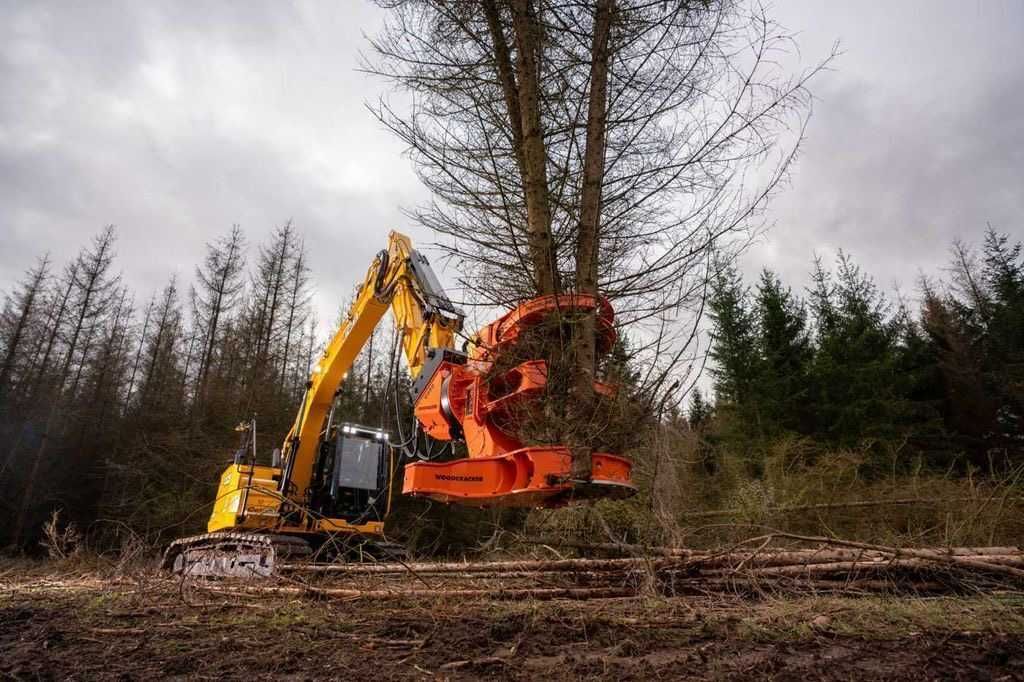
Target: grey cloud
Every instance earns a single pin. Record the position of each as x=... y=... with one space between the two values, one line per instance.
x=917 y=139
x=174 y=120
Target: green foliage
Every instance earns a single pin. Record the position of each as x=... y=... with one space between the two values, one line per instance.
x=784 y=354
x=735 y=344
x=803 y=487
x=700 y=410
x=848 y=369
x=854 y=370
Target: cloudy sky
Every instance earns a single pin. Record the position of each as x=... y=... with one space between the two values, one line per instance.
x=173 y=120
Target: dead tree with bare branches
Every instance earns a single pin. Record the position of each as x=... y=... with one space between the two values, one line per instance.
x=602 y=146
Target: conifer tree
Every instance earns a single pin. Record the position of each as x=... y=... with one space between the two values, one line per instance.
x=782 y=387
x=734 y=349
x=699 y=411
x=219 y=285
x=854 y=368
x=16 y=324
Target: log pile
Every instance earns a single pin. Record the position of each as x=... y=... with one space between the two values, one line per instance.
x=759 y=565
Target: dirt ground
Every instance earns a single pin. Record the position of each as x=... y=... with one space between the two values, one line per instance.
x=58 y=624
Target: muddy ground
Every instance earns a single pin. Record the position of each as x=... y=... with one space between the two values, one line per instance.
x=59 y=624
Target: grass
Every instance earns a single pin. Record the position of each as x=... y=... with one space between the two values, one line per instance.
x=682 y=503
x=882 y=618
x=138 y=625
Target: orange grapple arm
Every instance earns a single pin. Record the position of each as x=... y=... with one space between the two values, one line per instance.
x=453 y=401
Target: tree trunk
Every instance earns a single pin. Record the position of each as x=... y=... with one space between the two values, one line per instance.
x=534 y=153
x=138 y=353
x=588 y=238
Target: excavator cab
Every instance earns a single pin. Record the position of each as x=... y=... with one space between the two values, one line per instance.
x=352 y=475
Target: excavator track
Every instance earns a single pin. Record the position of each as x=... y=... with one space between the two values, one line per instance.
x=235 y=555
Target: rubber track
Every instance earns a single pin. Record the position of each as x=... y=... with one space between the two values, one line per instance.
x=233 y=554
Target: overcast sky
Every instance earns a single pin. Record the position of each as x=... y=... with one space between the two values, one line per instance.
x=173 y=120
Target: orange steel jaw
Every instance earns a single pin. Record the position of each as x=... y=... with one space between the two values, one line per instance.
x=528 y=477
x=459 y=401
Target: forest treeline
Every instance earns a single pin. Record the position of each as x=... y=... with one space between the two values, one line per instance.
x=843 y=366
x=121 y=412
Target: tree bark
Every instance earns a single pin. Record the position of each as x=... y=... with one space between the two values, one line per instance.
x=535 y=174
x=588 y=239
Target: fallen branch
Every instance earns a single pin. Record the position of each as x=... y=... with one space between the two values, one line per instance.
x=858 y=504
x=497 y=593
x=549 y=566
x=1005 y=556
x=937 y=556
x=845 y=567
x=487 y=660
x=621 y=547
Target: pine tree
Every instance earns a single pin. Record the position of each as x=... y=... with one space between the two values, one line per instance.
x=297 y=313
x=854 y=368
x=219 y=285
x=1003 y=277
x=734 y=349
x=93 y=290
x=782 y=385
x=160 y=389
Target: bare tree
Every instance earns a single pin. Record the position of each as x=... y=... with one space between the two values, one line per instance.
x=160 y=387
x=93 y=292
x=109 y=370
x=57 y=306
x=597 y=146
x=267 y=306
x=19 y=312
x=139 y=346
x=219 y=289
x=298 y=310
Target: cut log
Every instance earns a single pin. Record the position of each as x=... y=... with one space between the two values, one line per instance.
x=937 y=556
x=497 y=593
x=1005 y=556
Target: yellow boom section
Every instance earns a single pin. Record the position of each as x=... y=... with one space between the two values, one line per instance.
x=400 y=278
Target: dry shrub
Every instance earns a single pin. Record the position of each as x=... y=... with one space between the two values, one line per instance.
x=671 y=449
x=61 y=544
x=660 y=463
x=797 y=487
x=134 y=553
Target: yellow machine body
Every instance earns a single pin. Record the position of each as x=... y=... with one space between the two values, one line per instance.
x=253 y=498
x=247 y=500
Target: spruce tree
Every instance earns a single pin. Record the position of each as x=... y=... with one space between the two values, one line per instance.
x=1003 y=342
x=699 y=411
x=782 y=386
x=854 y=368
x=734 y=347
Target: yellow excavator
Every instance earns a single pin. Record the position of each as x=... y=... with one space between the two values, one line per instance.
x=331 y=481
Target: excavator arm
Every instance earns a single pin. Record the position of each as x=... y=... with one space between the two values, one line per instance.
x=400 y=278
